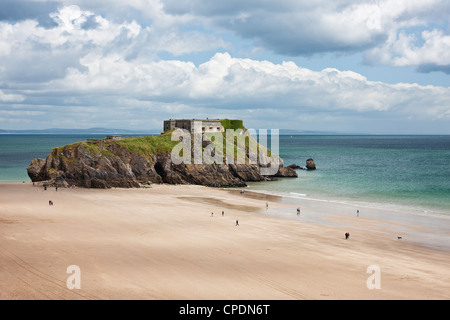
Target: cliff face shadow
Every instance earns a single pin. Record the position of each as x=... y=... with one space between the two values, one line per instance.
x=160 y=170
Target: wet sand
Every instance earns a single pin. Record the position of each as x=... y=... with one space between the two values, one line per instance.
x=162 y=243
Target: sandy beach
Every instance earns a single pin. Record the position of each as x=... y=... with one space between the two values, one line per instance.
x=164 y=243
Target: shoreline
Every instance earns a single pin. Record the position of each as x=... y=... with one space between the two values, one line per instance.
x=361 y=202
x=430 y=230
x=163 y=243
x=293 y=196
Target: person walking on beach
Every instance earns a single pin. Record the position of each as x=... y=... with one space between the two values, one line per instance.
x=298 y=211
x=357 y=213
x=223 y=213
x=212 y=214
x=347 y=235
x=237 y=223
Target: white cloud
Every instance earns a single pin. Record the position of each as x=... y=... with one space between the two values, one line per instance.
x=31 y=52
x=380 y=28
x=70 y=18
x=432 y=54
x=384 y=29
x=11 y=97
x=234 y=83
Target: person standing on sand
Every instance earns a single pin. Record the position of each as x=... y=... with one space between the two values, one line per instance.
x=237 y=223
x=212 y=214
x=357 y=213
x=223 y=213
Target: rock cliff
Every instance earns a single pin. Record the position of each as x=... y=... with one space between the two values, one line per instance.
x=133 y=162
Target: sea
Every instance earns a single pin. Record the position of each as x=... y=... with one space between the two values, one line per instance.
x=406 y=172
x=402 y=180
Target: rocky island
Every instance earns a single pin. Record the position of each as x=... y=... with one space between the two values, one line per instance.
x=133 y=162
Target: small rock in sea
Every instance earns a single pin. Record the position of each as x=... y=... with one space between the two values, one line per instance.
x=310 y=165
x=295 y=167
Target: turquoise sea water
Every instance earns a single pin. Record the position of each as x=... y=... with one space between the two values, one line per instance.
x=411 y=171
x=18 y=150
x=394 y=171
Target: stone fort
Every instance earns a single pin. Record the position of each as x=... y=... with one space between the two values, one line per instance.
x=208 y=125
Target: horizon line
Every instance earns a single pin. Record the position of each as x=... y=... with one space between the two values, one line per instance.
x=154 y=131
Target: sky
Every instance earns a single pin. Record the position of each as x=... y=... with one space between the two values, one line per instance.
x=361 y=66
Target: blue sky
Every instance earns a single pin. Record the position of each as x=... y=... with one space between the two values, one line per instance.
x=366 y=66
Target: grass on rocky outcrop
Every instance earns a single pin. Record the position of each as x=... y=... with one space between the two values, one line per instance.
x=149 y=145
x=232 y=124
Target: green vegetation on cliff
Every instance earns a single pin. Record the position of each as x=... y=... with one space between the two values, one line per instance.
x=95 y=148
x=149 y=145
x=242 y=144
x=232 y=124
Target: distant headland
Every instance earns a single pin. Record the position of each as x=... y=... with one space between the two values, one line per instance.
x=105 y=131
